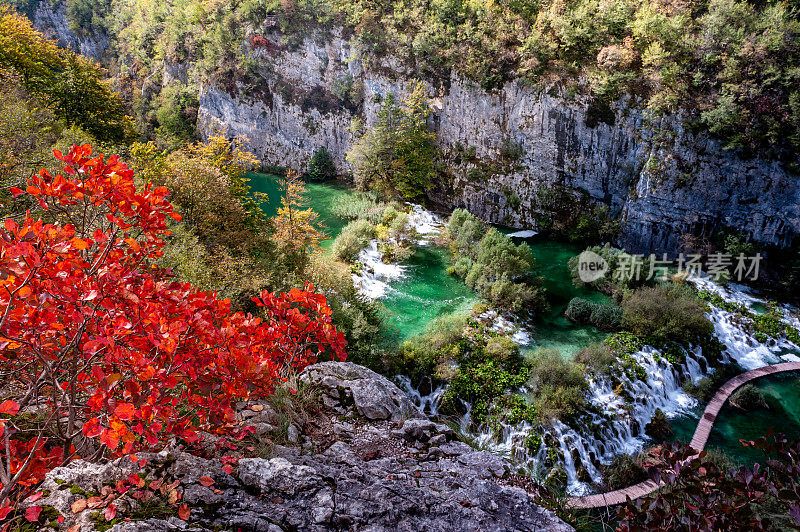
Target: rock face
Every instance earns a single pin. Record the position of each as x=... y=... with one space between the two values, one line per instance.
x=373 y=395
x=400 y=476
x=51 y=19
x=663 y=179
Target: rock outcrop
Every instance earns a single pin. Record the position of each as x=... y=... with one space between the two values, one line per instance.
x=345 y=384
x=514 y=144
x=51 y=20
x=403 y=475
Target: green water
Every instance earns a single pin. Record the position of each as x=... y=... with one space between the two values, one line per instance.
x=553 y=330
x=427 y=291
x=782 y=395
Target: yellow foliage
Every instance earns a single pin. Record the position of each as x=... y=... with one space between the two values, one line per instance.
x=296 y=227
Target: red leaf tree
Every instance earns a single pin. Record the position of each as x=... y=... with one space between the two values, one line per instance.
x=105 y=345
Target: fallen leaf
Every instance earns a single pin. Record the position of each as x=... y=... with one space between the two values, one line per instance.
x=111 y=512
x=206 y=481
x=184 y=512
x=32 y=513
x=35 y=497
x=94 y=502
x=78 y=506
x=256 y=408
x=74 y=528
x=173 y=497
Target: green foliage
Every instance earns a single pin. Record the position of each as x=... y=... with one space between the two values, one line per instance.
x=354 y=237
x=623 y=471
x=359 y=205
x=479 y=365
x=396 y=157
x=559 y=386
x=748 y=397
x=70 y=85
x=597 y=357
x=606 y=317
x=435 y=350
x=706 y=387
x=176 y=115
x=321 y=167
x=670 y=312
x=572 y=216
x=492 y=265
x=658 y=427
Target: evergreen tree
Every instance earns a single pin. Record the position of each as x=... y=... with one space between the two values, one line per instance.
x=321 y=167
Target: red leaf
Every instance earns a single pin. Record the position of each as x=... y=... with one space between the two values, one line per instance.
x=184 y=512
x=206 y=481
x=125 y=411
x=32 y=513
x=9 y=407
x=111 y=512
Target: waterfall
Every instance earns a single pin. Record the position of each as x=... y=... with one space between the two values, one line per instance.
x=373 y=279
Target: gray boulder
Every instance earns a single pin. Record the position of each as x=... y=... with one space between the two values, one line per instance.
x=345 y=384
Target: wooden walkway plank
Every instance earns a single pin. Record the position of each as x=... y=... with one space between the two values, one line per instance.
x=699 y=440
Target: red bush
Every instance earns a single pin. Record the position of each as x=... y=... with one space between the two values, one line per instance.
x=108 y=345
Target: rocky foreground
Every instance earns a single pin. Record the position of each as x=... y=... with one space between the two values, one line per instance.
x=380 y=466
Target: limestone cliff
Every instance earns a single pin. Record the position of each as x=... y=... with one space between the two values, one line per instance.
x=51 y=20
x=663 y=179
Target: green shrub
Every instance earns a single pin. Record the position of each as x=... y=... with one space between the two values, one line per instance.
x=559 y=386
x=623 y=471
x=492 y=265
x=670 y=312
x=748 y=397
x=706 y=387
x=658 y=427
x=438 y=347
x=598 y=357
x=354 y=237
x=606 y=317
x=359 y=205
x=579 y=310
x=321 y=167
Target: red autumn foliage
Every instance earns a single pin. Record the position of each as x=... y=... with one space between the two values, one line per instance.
x=108 y=346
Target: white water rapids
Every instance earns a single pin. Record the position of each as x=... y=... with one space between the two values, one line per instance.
x=374 y=278
x=619 y=426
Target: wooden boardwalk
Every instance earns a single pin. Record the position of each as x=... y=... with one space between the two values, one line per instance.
x=698 y=443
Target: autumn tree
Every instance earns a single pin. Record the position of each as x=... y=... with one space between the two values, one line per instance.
x=113 y=352
x=71 y=85
x=397 y=155
x=296 y=226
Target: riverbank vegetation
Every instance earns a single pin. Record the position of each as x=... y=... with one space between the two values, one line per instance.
x=396 y=156
x=492 y=265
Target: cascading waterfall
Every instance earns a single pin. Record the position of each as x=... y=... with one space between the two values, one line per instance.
x=374 y=278
x=617 y=425
x=617 y=422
